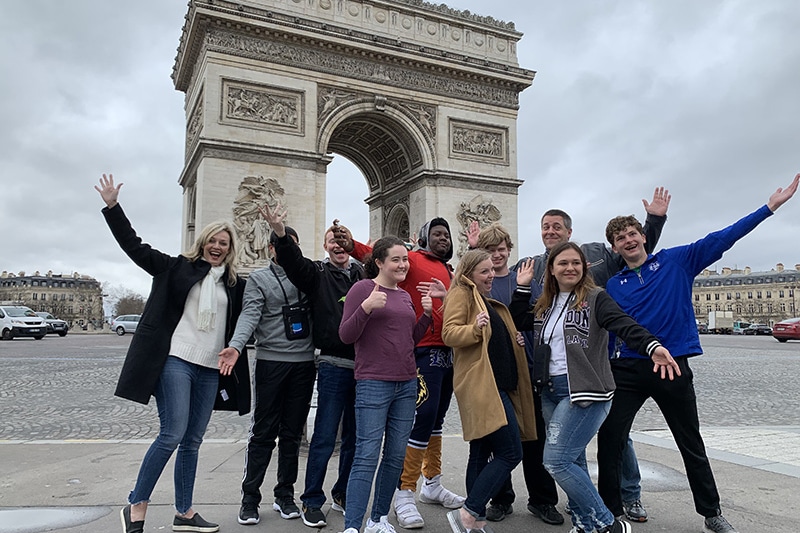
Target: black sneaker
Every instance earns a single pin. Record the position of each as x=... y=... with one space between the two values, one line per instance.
x=718 y=524
x=497 y=511
x=287 y=508
x=314 y=517
x=339 y=502
x=195 y=524
x=127 y=525
x=619 y=526
x=547 y=513
x=248 y=514
x=635 y=511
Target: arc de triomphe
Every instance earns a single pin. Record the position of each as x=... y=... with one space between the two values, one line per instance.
x=422 y=98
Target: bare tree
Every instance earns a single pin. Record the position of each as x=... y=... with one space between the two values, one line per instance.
x=130 y=304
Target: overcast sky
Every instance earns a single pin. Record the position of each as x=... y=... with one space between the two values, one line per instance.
x=700 y=97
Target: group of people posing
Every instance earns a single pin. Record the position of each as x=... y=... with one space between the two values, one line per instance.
x=541 y=356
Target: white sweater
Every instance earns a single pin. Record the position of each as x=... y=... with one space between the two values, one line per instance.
x=195 y=346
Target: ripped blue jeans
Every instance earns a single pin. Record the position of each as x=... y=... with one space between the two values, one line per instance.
x=570 y=427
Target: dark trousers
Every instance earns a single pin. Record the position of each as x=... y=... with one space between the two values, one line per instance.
x=541 y=486
x=283 y=397
x=636 y=382
x=434 y=392
x=485 y=476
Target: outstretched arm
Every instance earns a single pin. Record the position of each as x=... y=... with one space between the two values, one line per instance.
x=781 y=196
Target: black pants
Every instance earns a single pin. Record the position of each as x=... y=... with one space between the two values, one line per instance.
x=541 y=486
x=283 y=398
x=636 y=382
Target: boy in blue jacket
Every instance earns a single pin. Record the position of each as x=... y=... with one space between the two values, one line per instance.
x=656 y=291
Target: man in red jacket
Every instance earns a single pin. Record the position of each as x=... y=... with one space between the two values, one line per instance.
x=434 y=374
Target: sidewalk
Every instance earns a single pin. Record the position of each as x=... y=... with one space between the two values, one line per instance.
x=79 y=487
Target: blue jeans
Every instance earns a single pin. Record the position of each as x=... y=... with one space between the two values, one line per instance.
x=336 y=396
x=570 y=427
x=491 y=460
x=185 y=398
x=384 y=412
x=631 y=479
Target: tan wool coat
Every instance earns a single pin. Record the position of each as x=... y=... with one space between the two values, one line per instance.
x=474 y=385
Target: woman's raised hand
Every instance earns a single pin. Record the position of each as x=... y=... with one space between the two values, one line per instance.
x=108 y=192
x=525 y=272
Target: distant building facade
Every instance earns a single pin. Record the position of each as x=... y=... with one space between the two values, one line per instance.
x=756 y=297
x=75 y=298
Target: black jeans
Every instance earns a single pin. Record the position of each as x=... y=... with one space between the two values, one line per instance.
x=636 y=382
x=541 y=486
x=283 y=398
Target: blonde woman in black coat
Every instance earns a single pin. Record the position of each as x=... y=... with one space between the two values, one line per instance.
x=189 y=317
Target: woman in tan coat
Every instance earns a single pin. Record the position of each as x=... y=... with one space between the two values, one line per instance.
x=491 y=383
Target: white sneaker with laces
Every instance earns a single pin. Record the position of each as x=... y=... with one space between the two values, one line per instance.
x=405 y=507
x=382 y=526
x=434 y=492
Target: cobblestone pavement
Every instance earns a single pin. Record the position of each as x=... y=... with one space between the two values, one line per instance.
x=63 y=389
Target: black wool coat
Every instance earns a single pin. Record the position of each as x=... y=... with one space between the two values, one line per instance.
x=173 y=277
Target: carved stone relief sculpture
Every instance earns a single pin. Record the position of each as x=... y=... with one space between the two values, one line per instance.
x=484 y=211
x=194 y=125
x=329 y=99
x=478 y=142
x=262 y=106
x=251 y=228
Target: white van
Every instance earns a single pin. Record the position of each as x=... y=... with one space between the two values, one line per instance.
x=20 y=321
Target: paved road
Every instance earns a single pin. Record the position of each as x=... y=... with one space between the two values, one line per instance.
x=62 y=388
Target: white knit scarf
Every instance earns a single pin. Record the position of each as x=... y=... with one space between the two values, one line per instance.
x=207 y=310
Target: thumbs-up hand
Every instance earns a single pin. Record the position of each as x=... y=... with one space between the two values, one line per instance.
x=375 y=300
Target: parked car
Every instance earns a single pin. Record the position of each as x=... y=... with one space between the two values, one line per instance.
x=20 y=321
x=787 y=329
x=125 y=324
x=54 y=325
x=758 y=329
x=740 y=327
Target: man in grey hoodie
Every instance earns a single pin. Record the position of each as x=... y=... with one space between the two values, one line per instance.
x=276 y=311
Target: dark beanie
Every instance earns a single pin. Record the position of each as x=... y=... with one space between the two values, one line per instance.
x=273 y=237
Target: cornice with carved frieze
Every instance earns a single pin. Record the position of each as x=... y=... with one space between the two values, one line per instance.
x=319 y=34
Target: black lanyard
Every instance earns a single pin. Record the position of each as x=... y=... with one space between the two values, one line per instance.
x=546 y=320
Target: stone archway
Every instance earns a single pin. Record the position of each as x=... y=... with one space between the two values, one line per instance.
x=422 y=98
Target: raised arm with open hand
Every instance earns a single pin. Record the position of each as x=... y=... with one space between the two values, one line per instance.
x=110 y=193
x=473 y=231
x=660 y=204
x=275 y=218
x=781 y=196
x=525 y=272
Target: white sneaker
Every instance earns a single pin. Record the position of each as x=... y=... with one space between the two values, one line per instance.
x=405 y=507
x=433 y=492
x=350 y=530
x=382 y=526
